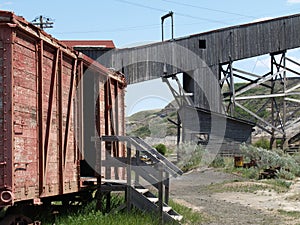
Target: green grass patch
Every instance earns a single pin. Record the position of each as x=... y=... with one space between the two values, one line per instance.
x=293 y=214
x=87 y=215
x=279 y=185
x=91 y=218
x=252 y=186
x=237 y=187
x=190 y=216
x=250 y=173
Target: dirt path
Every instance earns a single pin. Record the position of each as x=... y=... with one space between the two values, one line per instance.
x=233 y=208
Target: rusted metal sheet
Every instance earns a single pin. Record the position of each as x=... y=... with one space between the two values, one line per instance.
x=40 y=117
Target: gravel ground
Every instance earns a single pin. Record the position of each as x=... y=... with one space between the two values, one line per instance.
x=224 y=208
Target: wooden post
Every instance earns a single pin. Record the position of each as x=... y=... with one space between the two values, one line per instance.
x=137 y=177
x=99 y=195
x=160 y=194
x=128 y=189
x=99 y=181
x=108 y=202
x=40 y=87
x=167 y=188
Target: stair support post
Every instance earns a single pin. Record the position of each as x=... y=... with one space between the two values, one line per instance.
x=160 y=193
x=128 y=171
x=167 y=188
x=137 y=177
x=99 y=181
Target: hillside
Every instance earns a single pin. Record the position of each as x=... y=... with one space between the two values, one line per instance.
x=152 y=123
x=155 y=123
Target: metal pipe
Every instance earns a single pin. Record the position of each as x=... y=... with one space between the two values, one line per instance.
x=162 y=30
x=170 y=14
x=172 y=25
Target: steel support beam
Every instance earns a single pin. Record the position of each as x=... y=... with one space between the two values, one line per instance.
x=276 y=82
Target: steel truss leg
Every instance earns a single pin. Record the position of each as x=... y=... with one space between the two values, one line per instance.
x=276 y=84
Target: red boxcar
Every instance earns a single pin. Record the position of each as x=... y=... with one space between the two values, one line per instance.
x=46 y=135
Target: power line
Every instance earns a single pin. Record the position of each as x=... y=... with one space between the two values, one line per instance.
x=201 y=18
x=152 y=26
x=179 y=14
x=209 y=9
x=123 y=29
x=141 y=5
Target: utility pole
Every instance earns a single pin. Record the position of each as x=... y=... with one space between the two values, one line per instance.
x=43 y=22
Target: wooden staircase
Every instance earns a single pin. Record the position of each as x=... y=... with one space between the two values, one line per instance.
x=145 y=164
x=145 y=200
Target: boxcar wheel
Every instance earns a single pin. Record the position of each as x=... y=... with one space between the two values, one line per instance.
x=16 y=220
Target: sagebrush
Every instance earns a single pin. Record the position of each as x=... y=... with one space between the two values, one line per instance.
x=276 y=158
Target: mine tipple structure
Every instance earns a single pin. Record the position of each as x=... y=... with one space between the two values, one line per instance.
x=207 y=63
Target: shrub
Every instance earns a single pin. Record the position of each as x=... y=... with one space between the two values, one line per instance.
x=190 y=156
x=161 y=148
x=142 y=132
x=272 y=158
x=218 y=162
x=287 y=175
x=262 y=143
x=251 y=173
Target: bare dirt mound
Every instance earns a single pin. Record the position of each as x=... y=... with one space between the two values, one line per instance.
x=234 y=208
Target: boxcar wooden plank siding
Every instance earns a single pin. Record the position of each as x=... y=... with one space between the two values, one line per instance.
x=40 y=115
x=6 y=38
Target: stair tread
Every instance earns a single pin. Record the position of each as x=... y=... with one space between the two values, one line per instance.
x=167 y=208
x=154 y=200
x=177 y=217
x=142 y=190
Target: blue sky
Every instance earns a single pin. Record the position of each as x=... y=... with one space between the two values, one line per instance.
x=133 y=21
x=128 y=22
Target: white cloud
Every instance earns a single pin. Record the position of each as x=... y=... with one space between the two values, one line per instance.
x=293 y=1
